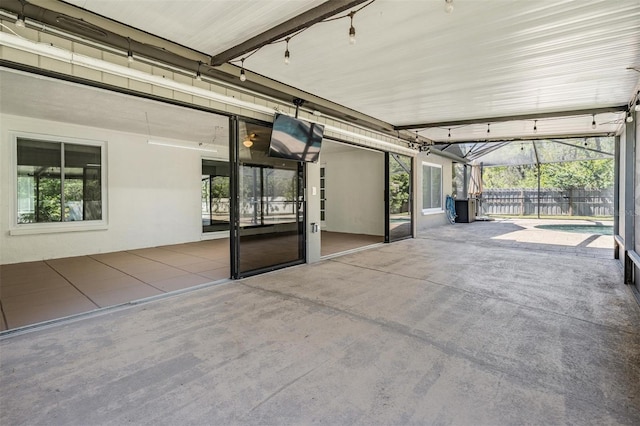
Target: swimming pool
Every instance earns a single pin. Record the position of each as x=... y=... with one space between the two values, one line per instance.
x=597 y=229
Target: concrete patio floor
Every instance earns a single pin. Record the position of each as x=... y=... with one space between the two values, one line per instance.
x=463 y=325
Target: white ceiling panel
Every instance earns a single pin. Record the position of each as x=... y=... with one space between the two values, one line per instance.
x=209 y=26
x=413 y=63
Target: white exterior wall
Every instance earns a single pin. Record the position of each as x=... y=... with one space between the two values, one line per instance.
x=152 y=195
x=355 y=191
x=425 y=221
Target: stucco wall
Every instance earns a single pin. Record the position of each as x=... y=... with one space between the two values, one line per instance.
x=424 y=221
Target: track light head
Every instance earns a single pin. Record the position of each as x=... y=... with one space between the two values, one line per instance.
x=198 y=75
x=20 y=19
x=129 y=51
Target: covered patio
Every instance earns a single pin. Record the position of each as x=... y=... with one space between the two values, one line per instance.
x=475 y=327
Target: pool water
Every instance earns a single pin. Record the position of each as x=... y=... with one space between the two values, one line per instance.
x=580 y=229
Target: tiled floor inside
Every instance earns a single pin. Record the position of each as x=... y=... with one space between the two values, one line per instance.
x=33 y=292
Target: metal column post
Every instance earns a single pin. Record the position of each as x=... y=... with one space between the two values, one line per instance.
x=616 y=196
x=629 y=199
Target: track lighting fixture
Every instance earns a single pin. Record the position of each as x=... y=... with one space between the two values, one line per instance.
x=198 y=75
x=535 y=126
x=286 y=52
x=129 y=52
x=629 y=117
x=352 y=30
x=243 y=76
x=448 y=6
x=593 y=122
x=20 y=19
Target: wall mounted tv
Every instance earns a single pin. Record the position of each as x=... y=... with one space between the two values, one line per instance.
x=295 y=139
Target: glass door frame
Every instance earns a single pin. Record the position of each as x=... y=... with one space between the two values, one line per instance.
x=387 y=197
x=234 y=192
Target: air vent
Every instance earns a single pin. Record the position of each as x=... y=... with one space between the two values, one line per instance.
x=80 y=26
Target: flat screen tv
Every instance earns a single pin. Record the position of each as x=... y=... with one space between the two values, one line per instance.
x=295 y=139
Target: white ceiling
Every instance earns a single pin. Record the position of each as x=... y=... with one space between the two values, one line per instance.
x=210 y=26
x=414 y=63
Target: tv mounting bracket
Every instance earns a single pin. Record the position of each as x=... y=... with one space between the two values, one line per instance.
x=298 y=103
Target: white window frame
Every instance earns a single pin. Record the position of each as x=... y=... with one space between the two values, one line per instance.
x=56 y=227
x=434 y=210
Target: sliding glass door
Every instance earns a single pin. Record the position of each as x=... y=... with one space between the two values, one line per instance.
x=269 y=220
x=399 y=197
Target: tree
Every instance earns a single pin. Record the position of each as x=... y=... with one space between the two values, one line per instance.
x=588 y=174
x=593 y=174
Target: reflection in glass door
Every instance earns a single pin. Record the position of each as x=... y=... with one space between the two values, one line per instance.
x=399 y=197
x=215 y=195
x=270 y=214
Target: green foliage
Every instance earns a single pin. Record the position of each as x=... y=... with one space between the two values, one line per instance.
x=590 y=174
x=399 y=185
x=399 y=193
x=48 y=205
x=595 y=174
x=502 y=177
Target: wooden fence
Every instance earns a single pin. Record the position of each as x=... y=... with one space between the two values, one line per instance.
x=553 y=202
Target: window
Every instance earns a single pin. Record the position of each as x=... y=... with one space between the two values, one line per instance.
x=215 y=196
x=431 y=188
x=58 y=181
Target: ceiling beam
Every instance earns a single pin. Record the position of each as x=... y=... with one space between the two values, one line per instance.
x=439 y=143
x=297 y=23
x=533 y=116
